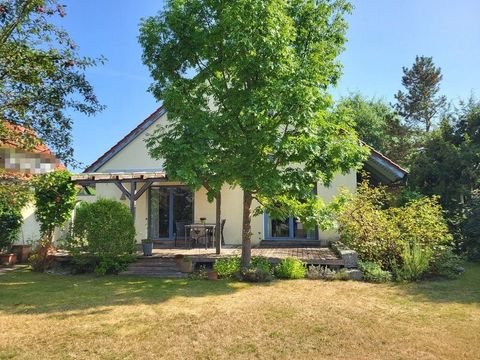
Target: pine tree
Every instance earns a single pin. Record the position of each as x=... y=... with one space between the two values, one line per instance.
x=420 y=104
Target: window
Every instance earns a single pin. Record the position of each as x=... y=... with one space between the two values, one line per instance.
x=290 y=228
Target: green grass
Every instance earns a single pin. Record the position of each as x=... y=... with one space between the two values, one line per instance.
x=84 y=317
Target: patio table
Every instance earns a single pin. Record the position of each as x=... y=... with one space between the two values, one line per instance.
x=206 y=231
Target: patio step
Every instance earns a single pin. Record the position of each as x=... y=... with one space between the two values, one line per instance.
x=157 y=267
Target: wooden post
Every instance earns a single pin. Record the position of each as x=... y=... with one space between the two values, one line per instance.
x=133 y=202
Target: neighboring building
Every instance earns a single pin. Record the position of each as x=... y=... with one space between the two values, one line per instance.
x=24 y=164
x=127 y=173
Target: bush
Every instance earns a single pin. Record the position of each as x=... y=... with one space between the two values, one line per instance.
x=415 y=263
x=262 y=263
x=471 y=227
x=446 y=264
x=320 y=273
x=105 y=231
x=256 y=274
x=15 y=193
x=380 y=233
x=227 y=267
x=290 y=268
x=372 y=272
x=10 y=223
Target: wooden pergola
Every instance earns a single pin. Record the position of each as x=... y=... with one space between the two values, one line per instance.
x=121 y=179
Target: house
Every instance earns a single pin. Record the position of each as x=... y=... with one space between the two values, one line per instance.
x=127 y=173
x=18 y=164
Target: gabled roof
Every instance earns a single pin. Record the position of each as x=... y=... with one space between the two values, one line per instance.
x=127 y=139
x=378 y=164
x=384 y=169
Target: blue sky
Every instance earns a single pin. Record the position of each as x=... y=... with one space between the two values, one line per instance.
x=384 y=35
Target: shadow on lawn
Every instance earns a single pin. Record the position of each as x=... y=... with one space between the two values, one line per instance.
x=464 y=290
x=79 y=295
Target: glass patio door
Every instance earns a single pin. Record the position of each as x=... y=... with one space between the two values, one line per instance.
x=167 y=206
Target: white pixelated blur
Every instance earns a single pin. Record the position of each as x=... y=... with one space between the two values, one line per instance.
x=15 y=160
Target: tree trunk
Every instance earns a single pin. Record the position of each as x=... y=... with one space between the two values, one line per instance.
x=246 y=230
x=218 y=221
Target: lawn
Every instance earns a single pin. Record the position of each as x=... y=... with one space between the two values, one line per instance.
x=84 y=317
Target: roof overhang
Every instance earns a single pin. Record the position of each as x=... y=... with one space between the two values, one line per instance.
x=383 y=169
x=121 y=177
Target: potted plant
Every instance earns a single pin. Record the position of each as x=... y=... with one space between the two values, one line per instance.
x=186 y=265
x=147 y=246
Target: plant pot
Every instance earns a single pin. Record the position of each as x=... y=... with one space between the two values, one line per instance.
x=186 y=266
x=147 y=248
x=212 y=275
x=8 y=259
x=22 y=251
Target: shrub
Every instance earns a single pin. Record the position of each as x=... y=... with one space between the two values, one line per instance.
x=227 y=267
x=105 y=231
x=111 y=264
x=415 y=262
x=290 y=268
x=15 y=193
x=446 y=264
x=379 y=233
x=55 y=197
x=320 y=273
x=471 y=227
x=256 y=274
x=373 y=272
x=10 y=223
x=262 y=263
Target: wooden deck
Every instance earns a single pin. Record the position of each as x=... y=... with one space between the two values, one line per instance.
x=309 y=255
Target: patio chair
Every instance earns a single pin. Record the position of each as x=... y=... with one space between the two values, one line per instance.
x=222 y=226
x=198 y=236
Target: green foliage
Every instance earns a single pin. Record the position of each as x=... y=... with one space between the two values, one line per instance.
x=42 y=76
x=256 y=274
x=471 y=227
x=377 y=124
x=15 y=193
x=262 y=263
x=290 y=268
x=230 y=84
x=10 y=223
x=227 y=267
x=104 y=228
x=446 y=264
x=373 y=272
x=415 y=263
x=448 y=167
x=380 y=233
x=84 y=263
x=55 y=197
x=419 y=105
x=113 y=264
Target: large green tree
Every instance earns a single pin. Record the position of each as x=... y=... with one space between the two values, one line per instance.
x=420 y=104
x=42 y=76
x=258 y=72
x=377 y=124
x=449 y=166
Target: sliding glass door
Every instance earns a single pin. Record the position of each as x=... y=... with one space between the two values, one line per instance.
x=167 y=206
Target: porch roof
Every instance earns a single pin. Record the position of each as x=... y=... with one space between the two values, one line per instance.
x=115 y=177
